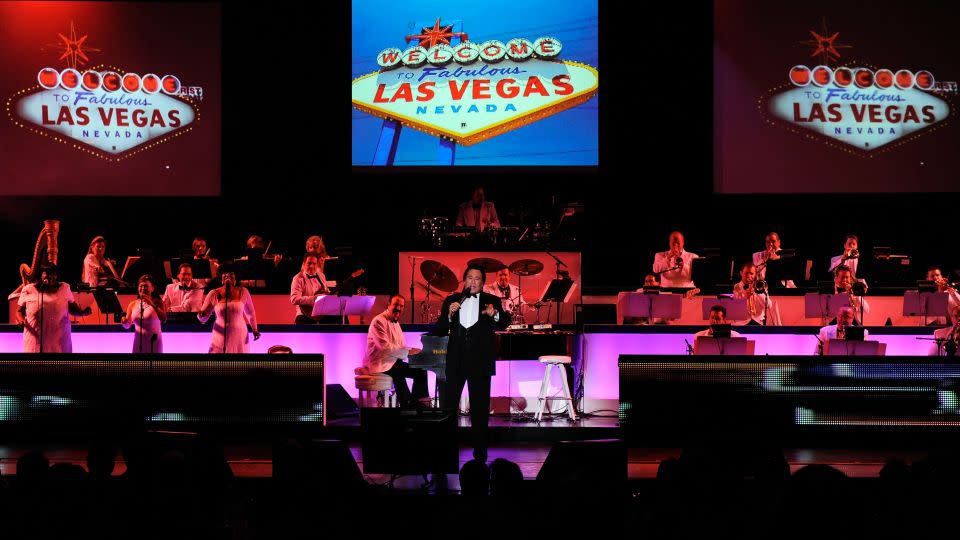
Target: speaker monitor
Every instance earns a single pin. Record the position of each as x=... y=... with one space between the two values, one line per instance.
x=400 y=441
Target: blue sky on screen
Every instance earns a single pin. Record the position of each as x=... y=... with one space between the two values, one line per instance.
x=568 y=138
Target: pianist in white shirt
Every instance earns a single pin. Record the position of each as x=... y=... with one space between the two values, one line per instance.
x=387 y=350
x=184 y=296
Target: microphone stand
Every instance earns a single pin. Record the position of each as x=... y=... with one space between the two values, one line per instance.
x=413 y=298
x=226 y=315
x=40 y=326
x=141 y=329
x=559 y=264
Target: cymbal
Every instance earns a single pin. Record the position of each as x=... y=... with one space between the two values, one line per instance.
x=489 y=265
x=526 y=267
x=439 y=275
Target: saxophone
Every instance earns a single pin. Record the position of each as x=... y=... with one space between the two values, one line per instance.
x=45 y=251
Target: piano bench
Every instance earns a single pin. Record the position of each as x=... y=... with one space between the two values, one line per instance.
x=374 y=382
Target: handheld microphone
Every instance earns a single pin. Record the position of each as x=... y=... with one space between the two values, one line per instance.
x=679 y=261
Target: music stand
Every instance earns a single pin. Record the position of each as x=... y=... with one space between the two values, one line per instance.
x=660 y=306
x=357 y=305
x=844 y=347
x=108 y=302
x=200 y=267
x=559 y=291
x=138 y=265
x=786 y=268
x=823 y=306
x=723 y=346
x=255 y=268
x=736 y=308
x=925 y=304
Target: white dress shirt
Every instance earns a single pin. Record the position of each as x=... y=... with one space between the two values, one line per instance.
x=511 y=298
x=850 y=263
x=760 y=303
x=675 y=278
x=177 y=299
x=469 y=311
x=304 y=290
x=830 y=332
x=942 y=334
x=385 y=344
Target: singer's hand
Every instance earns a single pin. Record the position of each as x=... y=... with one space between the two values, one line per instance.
x=489 y=311
x=454 y=307
x=256 y=335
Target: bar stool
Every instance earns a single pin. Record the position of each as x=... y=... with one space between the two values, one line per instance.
x=367 y=383
x=558 y=361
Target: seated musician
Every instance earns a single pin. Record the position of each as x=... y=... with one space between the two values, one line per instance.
x=947 y=338
x=675 y=267
x=256 y=247
x=758 y=303
x=99 y=271
x=761 y=258
x=315 y=245
x=507 y=292
x=185 y=295
x=718 y=315
x=850 y=257
x=935 y=274
x=202 y=253
x=845 y=319
x=843 y=282
x=387 y=350
x=306 y=286
x=478 y=212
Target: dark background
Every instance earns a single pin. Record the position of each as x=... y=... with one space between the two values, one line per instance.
x=286 y=172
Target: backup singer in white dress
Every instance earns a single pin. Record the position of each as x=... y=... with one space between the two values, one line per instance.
x=145 y=314
x=233 y=313
x=58 y=305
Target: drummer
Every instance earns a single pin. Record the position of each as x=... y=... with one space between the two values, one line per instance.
x=478 y=212
x=508 y=292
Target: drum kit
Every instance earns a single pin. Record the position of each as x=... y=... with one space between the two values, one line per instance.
x=437 y=230
x=440 y=278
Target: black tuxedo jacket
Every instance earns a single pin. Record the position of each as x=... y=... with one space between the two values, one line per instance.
x=472 y=351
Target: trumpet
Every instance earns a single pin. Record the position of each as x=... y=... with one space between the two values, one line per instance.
x=760 y=287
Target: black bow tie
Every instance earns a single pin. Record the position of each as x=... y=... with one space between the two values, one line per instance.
x=185 y=288
x=314 y=276
x=471 y=295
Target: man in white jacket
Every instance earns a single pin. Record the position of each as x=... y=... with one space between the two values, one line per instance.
x=386 y=351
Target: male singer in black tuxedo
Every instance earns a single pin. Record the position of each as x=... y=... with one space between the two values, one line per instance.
x=471 y=317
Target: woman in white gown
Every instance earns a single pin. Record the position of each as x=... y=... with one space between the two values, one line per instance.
x=47 y=328
x=146 y=313
x=233 y=307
